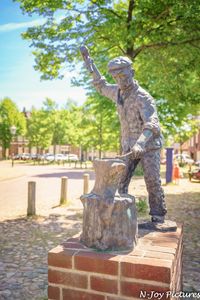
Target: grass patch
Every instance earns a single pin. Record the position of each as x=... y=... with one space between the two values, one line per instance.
x=142 y=206
x=138 y=171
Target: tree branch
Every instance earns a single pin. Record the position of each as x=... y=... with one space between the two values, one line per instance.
x=195 y=46
x=162 y=14
x=166 y=23
x=107 y=49
x=121 y=49
x=164 y=44
x=105 y=8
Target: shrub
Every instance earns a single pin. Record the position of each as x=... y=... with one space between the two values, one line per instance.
x=138 y=171
x=142 y=206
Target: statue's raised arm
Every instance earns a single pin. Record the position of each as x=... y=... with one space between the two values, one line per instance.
x=89 y=63
x=99 y=82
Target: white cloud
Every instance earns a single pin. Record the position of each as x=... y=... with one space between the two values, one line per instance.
x=14 y=26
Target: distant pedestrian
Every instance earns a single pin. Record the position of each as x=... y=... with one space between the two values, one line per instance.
x=176 y=172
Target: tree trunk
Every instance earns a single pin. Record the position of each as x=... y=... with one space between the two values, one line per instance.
x=4 y=152
x=54 y=149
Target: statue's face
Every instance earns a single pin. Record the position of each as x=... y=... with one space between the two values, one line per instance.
x=123 y=78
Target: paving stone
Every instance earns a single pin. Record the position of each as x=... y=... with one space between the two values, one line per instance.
x=5 y=294
x=15 y=286
x=10 y=274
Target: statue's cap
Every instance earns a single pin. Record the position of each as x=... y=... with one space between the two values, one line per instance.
x=119 y=63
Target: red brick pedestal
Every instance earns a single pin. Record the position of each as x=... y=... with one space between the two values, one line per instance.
x=154 y=266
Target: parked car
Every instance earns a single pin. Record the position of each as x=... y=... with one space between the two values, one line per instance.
x=184 y=158
x=60 y=157
x=25 y=156
x=34 y=156
x=56 y=157
x=72 y=157
x=17 y=156
x=49 y=157
x=197 y=163
x=41 y=156
x=163 y=161
x=194 y=174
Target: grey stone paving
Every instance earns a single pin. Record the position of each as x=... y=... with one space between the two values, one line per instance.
x=23 y=253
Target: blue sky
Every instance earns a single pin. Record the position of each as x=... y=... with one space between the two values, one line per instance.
x=18 y=79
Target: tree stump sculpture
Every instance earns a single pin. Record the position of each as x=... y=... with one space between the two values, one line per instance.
x=109 y=219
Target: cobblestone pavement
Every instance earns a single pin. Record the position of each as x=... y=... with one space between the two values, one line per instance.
x=25 y=242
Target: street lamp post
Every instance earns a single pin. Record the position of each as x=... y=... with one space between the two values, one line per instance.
x=13 y=129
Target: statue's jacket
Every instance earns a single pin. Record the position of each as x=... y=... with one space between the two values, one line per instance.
x=137 y=111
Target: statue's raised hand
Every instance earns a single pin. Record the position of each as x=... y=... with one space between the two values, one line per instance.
x=87 y=59
x=89 y=63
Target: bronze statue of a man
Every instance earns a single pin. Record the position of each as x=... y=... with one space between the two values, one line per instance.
x=141 y=138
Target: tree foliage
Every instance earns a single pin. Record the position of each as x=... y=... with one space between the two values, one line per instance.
x=161 y=37
x=94 y=125
x=100 y=125
x=188 y=128
x=10 y=116
x=39 y=131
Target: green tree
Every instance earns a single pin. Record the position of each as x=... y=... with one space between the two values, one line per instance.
x=100 y=125
x=9 y=116
x=58 y=122
x=188 y=128
x=53 y=126
x=161 y=37
x=52 y=115
x=39 y=131
x=72 y=116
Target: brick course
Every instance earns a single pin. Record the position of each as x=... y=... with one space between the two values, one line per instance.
x=68 y=279
x=96 y=262
x=80 y=295
x=53 y=292
x=79 y=273
x=147 y=269
x=104 y=285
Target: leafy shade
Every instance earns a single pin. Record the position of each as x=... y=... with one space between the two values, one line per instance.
x=10 y=116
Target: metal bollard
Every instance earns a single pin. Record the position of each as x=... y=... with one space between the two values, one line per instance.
x=31 y=198
x=64 y=194
x=86 y=183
